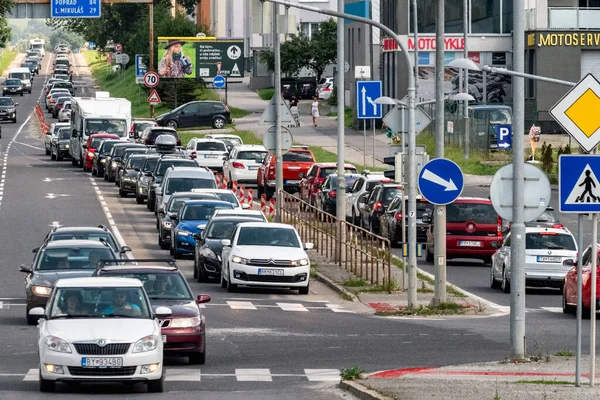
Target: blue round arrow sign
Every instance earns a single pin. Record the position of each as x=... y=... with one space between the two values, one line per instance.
x=218 y=81
x=441 y=181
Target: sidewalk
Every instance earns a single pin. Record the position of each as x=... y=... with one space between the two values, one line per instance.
x=553 y=379
x=14 y=64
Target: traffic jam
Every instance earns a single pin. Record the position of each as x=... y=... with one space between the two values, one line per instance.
x=104 y=316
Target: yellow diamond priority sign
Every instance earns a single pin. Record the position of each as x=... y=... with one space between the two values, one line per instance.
x=578 y=112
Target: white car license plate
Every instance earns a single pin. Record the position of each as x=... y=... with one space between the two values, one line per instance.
x=101 y=362
x=251 y=168
x=549 y=259
x=164 y=338
x=210 y=156
x=273 y=272
x=292 y=182
x=469 y=243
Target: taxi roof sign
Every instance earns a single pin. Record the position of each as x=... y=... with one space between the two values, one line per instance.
x=577 y=112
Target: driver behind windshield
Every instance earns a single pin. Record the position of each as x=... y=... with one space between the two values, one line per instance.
x=120 y=305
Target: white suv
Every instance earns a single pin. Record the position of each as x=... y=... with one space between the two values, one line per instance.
x=209 y=153
x=100 y=330
x=364 y=184
x=243 y=162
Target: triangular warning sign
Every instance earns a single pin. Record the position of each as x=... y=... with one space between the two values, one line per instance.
x=235 y=71
x=153 y=98
x=587 y=188
x=269 y=115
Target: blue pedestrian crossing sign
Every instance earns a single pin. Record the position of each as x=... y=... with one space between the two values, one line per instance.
x=366 y=94
x=578 y=185
x=441 y=181
x=504 y=134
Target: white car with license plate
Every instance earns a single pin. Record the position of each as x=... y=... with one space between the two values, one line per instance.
x=549 y=255
x=242 y=164
x=265 y=254
x=209 y=153
x=100 y=330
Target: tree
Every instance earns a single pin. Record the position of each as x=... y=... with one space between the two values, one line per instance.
x=293 y=55
x=61 y=36
x=323 y=46
x=5 y=32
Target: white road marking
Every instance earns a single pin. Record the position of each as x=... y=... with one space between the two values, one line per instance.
x=337 y=308
x=292 y=307
x=241 y=305
x=32 y=375
x=253 y=375
x=552 y=309
x=181 y=375
x=323 y=375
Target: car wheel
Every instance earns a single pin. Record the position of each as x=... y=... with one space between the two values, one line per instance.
x=57 y=157
x=31 y=320
x=52 y=156
x=303 y=290
x=139 y=200
x=122 y=193
x=47 y=152
x=223 y=282
x=231 y=288
x=567 y=308
x=505 y=282
x=428 y=254
x=163 y=245
x=150 y=203
x=354 y=218
x=218 y=123
x=74 y=162
x=105 y=176
x=46 y=386
x=177 y=254
x=14 y=120
x=158 y=385
x=269 y=192
x=172 y=124
x=157 y=223
x=494 y=284
x=260 y=191
x=201 y=276
x=197 y=358
x=94 y=173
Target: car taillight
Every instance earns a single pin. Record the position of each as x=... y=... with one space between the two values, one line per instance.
x=147 y=140
x=178 y=142
x=226 y=108
x=558 y=226
x=332 y=194
x=193 y=155
x=398 y=216
x=499 y=227
x=236 y=164
x=378 y=207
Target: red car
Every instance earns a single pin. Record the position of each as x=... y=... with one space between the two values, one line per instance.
x=569 y=297
x=296 y=163
x=312 y=181
x=138 y=126
x=92 y=145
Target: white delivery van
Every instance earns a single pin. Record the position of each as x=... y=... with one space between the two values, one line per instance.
x=90 y=115
x=38 y=44
x=24 y=74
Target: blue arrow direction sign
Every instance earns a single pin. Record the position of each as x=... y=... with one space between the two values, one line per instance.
x=578 y=185
x=219 y=82
x=75 y=8
x=366 y=93
x=441 y=181
x=504 y=135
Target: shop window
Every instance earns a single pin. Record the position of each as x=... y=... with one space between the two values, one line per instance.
x=485 y=16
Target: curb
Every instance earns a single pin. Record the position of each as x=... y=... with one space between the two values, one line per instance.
x=335 y=287
x=361 y=391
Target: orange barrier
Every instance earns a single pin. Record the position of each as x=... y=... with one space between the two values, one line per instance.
x=250 y=198
x=271 y=208
x=263 y=203
x=224 y=183
x=219 y=180
x=234 y=187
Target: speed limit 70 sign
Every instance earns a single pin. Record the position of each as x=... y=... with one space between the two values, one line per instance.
x=151 y=79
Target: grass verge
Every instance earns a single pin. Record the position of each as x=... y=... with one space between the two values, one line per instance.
x=238 y=112
x=7 y=58
x=564 y=353
x=354 y=283
x=449 y=308
x=266 y=93
x=347 y=117
x=352 y=373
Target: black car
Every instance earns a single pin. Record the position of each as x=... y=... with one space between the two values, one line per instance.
x=59 y=146
x=207 y=255
x=60 y=259
x=141 y=184
x=60 y=102
x=99 y=159
x=326 y=197
x=12 y=86
x=29 y=65
x=8 y=109
x=130 y=174
x=124 y=159
x=197 y=113
x=165 y=217
x=115 y=157
x=376 y=203
x=390 y=222
x=150 y=133
x=159 y=172
x=99 y=233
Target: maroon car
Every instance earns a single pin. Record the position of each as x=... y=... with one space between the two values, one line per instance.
x=314 y=178
x=184 y=331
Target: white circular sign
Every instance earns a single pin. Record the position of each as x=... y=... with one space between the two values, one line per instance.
x=286 y=140
x=118 y=47
x=234 y=52
x=151 y=79
x=124 y=59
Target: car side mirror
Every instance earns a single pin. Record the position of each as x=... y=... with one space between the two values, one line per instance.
x=125 y=249
x=35 y=250
x=84 y=146
x=245 y=206
x=37 y=312
x=201 y=227
x=309 y=246
x=25 y=268
x=16 y=104
x=158 y=191
x=172 y=215
x=148 y=173
x=301 y=175
x=136 y=169
x=197 y=236
x=74 y=133
x=202 y=298
x=160 y=210
x=494 y=245
x=226 y=243
x=163 y=312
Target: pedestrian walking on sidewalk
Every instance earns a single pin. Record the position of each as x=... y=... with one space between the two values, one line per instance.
x=314 y=110
x=294 y=110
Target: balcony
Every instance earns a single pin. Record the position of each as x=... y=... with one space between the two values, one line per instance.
x=573 y=18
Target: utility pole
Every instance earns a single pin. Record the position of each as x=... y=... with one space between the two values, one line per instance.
x=151 y=52
x=466 y=71
x=439 y=232
x=277 y=83
x=340 y=210
x=517 y=254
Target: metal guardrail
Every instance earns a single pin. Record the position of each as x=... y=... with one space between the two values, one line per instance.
x=357 y=250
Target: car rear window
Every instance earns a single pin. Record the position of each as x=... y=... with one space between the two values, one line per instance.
x=187 y=184
x=465 y=212
x=250 y=155
x=549 y=241
x=298 y=156
x=371 y=185
x=154 y=134
x=389 y=193
x=325 y=172
x=163 y=166
x=108 y=146
x=140 y=126
x=211 y=146
x=134 y=163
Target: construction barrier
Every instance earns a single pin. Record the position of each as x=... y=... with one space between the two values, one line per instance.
x=263 y=203
x=250 y=198
x=234 y=187
x=241 y=194
x=271 y=210
x=44 y=127
x=224 y=183
x=219 y=180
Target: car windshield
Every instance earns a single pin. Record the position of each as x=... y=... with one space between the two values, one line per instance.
x=298 y=156
x=149 y=164
x=115 y=126
x=108 y=145
x=20 y=75
x=164 y=165
x=74 y=258
x=61 y=76
x=350 y=179
x=211 y=146
x=228 y=197
x=63 y=133
x=201 y=212
x=389 y=193
x=6 y=102
x=82 y=235
x=465 y=212
x=13 y=82
x=129 y=152
x=325 y=172
x=159 y=286
x=549 y=241
x=187 y=184
x=251 y=155
x=135 y=162
x=57 y=94
x=99 y=302
x=62 y=99
x=267 y=236
x=221 y=229
x=65 y=85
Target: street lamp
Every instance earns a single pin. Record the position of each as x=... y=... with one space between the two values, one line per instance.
x=464 y=63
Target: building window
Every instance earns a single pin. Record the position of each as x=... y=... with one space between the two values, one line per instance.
x=358 y=35
x=308 y=28
x=388 y=13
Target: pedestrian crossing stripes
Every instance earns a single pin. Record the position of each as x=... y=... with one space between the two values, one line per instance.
x=506 y=309
x=240 y=374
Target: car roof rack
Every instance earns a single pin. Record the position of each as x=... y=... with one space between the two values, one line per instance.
x=169 y=261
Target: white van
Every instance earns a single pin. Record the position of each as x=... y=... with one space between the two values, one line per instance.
x=24 y=74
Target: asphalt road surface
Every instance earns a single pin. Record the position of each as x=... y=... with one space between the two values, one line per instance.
x=256 y=347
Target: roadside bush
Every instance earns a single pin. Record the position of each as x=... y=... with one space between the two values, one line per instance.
x=547 y=161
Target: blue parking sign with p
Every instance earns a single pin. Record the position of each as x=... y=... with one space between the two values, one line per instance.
x=504 y=134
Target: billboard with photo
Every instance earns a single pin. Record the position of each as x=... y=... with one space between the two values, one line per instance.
x=200 y=57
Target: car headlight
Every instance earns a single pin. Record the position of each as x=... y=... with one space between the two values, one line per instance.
x=103 y=161
x=90 y=154
x=208 y=253
x=302 y=262
x=57 y=344
x=147 y=343
x=184 y=233
x=129 y=178
x=167 y=224
x=66 y=146
x=239 y=260
x=144 y=179
x=113 y=164
x=41 y=290
x=185 y=322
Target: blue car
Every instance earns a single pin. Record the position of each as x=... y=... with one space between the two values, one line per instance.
x=192 y=218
